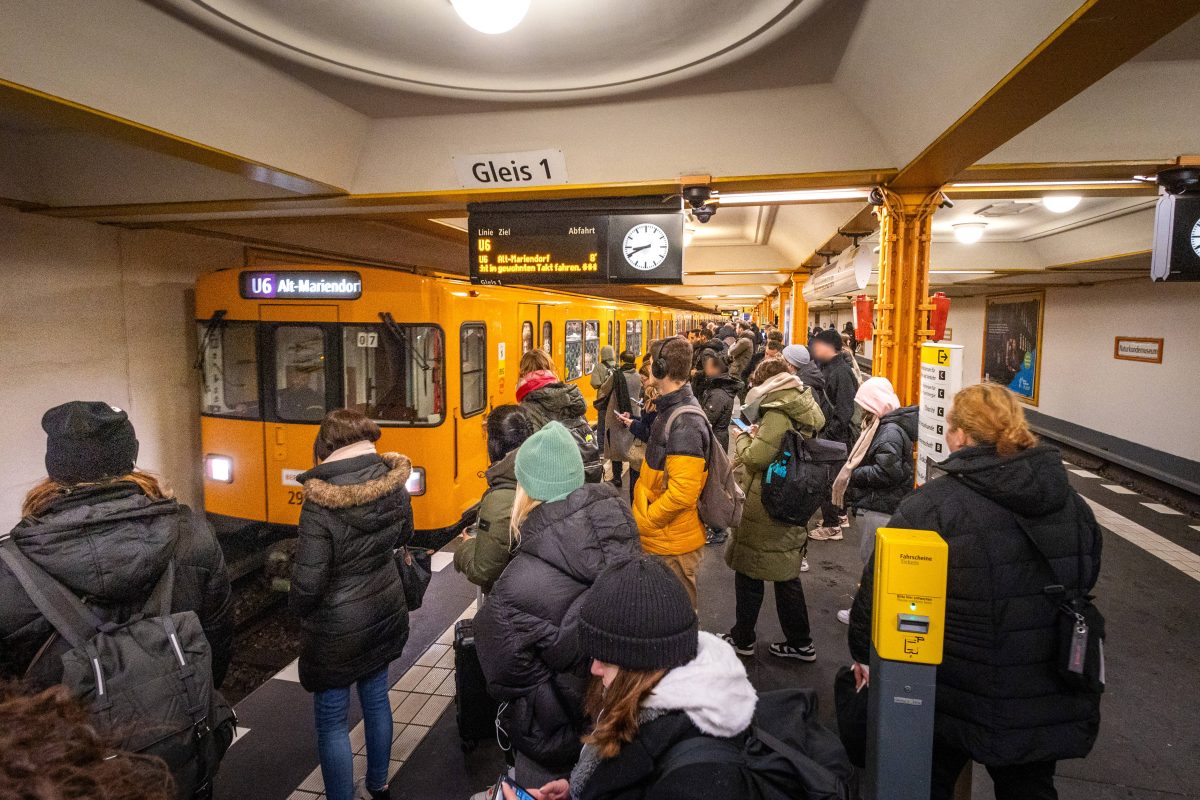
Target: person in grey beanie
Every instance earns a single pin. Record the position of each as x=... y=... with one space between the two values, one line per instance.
x=657 y=682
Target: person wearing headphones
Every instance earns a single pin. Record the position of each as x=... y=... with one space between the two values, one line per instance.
x=672 y=477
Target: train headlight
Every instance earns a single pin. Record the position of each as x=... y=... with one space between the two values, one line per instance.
x=416 y=482
x=219 y=468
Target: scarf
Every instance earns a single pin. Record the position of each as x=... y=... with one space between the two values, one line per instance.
x=534 y=380
x=360 y=448
x=754 y=398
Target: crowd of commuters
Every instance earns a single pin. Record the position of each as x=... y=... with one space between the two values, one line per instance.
x=588 y=633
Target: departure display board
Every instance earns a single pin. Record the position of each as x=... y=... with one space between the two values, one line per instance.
x=301 y=285
x=570 y=246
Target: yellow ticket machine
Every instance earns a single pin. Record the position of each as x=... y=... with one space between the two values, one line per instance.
x=907 y=632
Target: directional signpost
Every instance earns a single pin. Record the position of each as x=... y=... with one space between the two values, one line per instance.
x=941 y=378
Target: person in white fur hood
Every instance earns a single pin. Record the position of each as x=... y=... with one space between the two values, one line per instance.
x=658 y=681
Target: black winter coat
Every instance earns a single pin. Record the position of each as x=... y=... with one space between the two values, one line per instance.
x=526 y=632
x=632 y=774
x=885 y=476
x=345 y=585
x=841 y=386
x=110 y=545
x=718 y=405
x=999 y=696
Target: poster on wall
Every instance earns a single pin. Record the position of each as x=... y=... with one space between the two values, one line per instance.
x=1012 y=343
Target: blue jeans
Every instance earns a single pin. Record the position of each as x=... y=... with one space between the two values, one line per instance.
x=333 y=735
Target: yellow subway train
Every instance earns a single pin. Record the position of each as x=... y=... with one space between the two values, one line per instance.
x=426 y=356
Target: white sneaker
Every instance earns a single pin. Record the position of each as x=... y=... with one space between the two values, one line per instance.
x=844 y=616
x=826 y=534
x=844 y=520
x=804 y=565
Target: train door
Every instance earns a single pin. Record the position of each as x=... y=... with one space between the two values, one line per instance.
x=529 y=315
x=301 y=374
x=473 y=405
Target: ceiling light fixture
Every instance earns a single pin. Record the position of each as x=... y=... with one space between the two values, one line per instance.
x=491 y=16
x=1061 y=203
x=1037 y=184
x=801 y=196
x=742 y=272
x=969 y=232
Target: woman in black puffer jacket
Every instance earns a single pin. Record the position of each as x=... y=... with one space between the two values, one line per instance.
x=347 y=591
x=1000 y=700
x=567 y=533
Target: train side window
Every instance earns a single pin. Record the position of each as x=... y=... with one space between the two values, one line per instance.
x=299 y=373
x=633 y=336
x=610 y=339
x=473 y=339
x=395 y=373
x=229 y=369
x=526 y=337
x=548 y=338
x=591 y=345
x=573 y=348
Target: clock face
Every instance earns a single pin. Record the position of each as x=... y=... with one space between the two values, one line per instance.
x=1196 y=237
x=645 y=246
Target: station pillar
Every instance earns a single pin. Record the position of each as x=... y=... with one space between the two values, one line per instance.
x=799 y=332
x=905 y=222
x=785 y=307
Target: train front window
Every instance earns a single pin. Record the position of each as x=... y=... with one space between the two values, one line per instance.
x=394 y=373
x=473 y=338
x=299 y=373
x=229 y=369
x=573 y=348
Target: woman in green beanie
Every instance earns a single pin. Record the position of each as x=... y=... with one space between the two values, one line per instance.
x=565 y=533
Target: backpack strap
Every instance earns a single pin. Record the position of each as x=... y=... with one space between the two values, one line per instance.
x=687 y=409
x=699 y=750
x=74 y=621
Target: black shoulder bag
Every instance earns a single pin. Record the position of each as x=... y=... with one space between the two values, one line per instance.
x=1080 y=624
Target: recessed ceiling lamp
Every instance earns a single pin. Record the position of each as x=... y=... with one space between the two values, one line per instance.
x=491 y=16
x=1061 y=203
x=969 y=232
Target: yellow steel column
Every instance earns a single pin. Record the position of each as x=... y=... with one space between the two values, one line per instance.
x=799 y=332
x=785 y=299
x=905 y=221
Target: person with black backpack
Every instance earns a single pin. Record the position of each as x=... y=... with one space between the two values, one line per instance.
x=111 y=587
x=543 y=397
x=1019 y=685
x=347 y=591
x=675 y=714
x=763 y=548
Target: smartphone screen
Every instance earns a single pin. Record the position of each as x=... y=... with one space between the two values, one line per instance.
x=741 y=424
x=518 y=791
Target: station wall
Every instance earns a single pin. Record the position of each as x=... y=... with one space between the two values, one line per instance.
x=1081 y=381
x=100 y=313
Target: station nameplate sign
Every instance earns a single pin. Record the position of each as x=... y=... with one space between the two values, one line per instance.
x=523 y=168
x=1133 y=348
x=565 y=247
x=941 y=378
x=300 y=285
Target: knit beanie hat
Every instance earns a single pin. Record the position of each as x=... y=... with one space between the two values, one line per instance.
x=88 y=441
x=549 y=466
x=535 y=380
x=796 y=354
x=637 y=615
x=830 y=337
x=607 y=353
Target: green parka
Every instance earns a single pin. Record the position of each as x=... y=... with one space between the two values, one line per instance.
x=762 y=547
x=485 y=555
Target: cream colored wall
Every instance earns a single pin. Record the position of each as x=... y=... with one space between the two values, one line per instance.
x=1151 y=404
x=98 y=313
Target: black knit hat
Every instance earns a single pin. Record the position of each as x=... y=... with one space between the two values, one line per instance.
x=88 y=441
x=638 y=616
x=829 y=337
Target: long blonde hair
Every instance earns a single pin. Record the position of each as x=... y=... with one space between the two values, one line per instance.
x=991 y=414
x=616 y=708
x=522 y=505
x=42 y=496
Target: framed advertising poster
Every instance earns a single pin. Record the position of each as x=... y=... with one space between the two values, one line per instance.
x=1012 y=343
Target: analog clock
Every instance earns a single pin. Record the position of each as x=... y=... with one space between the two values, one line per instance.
x=1195 y=237
x=645 y=246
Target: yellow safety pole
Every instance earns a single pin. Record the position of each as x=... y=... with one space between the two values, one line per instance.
x=905 y=223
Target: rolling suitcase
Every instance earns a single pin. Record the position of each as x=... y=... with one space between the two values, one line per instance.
x=475 y=710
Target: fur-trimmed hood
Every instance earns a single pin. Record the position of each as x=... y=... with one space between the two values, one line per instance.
x=357 y=481
x=712 y=689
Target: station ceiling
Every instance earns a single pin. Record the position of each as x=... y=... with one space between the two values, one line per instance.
x=328 y=129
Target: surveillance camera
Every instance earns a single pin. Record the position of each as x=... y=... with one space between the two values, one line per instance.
x=946 y=202
x=697 y=196
x=1180 y=181
x=875 y=198
x=703 y=213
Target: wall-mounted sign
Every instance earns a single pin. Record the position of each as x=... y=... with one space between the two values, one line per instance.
x=1176 y=255
x=562 y=246
x=300 y=285
x=1133 y=348
x=498 y=170
x=1012 y=343
x=941 y=378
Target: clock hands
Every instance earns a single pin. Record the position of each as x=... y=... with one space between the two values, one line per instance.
x=637 y=249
